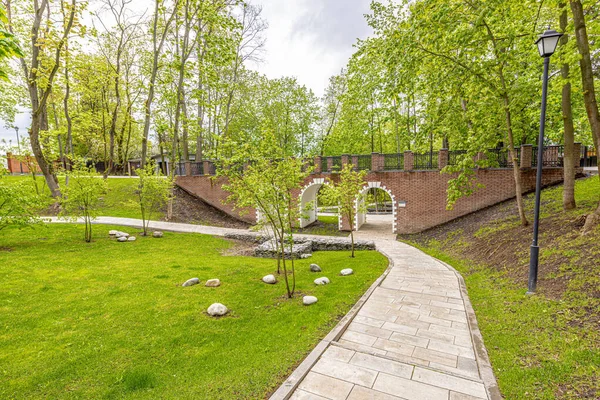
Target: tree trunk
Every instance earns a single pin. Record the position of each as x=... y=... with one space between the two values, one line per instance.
x=589 y=93
x=515 y=165
x=511 y=149
x=156 y=54
x=569 y=135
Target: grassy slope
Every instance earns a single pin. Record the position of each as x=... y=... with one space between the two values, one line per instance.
x=110 y=320
x=545 y=346
x=119 y=201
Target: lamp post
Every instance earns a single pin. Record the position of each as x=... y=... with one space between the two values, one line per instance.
x=19 y=148
x=546 y=45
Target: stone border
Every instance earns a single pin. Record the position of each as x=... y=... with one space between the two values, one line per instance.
x=287 y=388
x=483 y=361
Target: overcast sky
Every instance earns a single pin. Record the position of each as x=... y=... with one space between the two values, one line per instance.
x=309 y=39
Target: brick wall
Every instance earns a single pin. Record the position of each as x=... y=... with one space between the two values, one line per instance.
x=424 y=193
x=15 y=166
x=209 y=189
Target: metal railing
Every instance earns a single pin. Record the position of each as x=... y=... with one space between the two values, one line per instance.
x=364 y=163
x=197 y=168
x=496 y=158
x=553 y=156
x=425 y=161
x=393 y=162
x=336 y=163
x=455 y=156
x=500 y=158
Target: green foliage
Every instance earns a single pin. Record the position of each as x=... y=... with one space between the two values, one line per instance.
x=347 y=193
x=154 y=192
x=19 y=205
x=134 y=332
x=256 y=180
x=8 y=44
x=81 y=197
x=464 y=183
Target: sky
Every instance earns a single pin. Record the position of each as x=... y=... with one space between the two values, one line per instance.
x=308 y=39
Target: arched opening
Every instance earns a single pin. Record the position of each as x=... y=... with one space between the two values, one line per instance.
x=310 y=209
x=376 y=211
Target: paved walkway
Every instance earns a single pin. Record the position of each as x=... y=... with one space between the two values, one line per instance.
x=413 y=336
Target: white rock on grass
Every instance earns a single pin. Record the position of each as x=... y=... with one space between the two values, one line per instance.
x=112 y=233
x=217 y=310
x=305 y=256
x=308 y=300
x=270 y=279
x=213 y=283
x=346 y=272
x=121 y=234
x=122 y=239
x=131 y=239
x=315 y=268
x=157 y=234
x=191 y=282
x=322 y=281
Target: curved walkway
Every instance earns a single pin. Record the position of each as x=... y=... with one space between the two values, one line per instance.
x=413 y=335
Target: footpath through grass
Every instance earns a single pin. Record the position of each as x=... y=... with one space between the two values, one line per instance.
x=111 y=320
x=545 y=346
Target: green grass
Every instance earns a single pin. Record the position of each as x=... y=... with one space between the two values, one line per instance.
x=536 y=352
x=327 y=225
x=119 y=201
x=328 y=219
x=111 y=320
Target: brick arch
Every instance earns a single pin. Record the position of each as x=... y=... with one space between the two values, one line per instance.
x=308 y=194
x=378 y=185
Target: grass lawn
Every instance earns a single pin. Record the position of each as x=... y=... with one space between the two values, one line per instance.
x=111 y=320
x=119 y=201
x=545 y=346
x=326 y=225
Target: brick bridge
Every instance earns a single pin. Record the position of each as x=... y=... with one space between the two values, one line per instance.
x=413 y=181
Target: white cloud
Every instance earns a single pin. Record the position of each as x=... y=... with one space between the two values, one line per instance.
x=311 y=39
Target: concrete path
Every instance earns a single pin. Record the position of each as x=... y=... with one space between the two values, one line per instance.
x=413 y=335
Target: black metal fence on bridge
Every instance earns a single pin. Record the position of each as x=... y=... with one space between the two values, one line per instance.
x=589 y=157
x=425 y=161
x=553 y=156
x=393 y=162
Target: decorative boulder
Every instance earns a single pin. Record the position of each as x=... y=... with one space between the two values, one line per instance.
x=131 y=239
x=315 y=268
x=308 y=300
x=270 y=279
x=321 y=281
x=217 y=310
x=112 y=233
x=122 y=239
x=346 y=272
x=191 y=282
x=120 y=234
x=213 y=283
x=157 y=234
x=305 y=256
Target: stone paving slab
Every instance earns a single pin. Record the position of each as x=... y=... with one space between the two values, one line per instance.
x=413 y=338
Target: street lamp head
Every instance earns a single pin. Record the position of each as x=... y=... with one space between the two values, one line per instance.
x=547 y=42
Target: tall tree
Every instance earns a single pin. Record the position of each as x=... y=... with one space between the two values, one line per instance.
x=589 y=91
x=160 y=29
x=569 y=131
x=40 y=71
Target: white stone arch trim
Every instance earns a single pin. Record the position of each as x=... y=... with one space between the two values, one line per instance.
x=314 y=182
x=377 y=185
